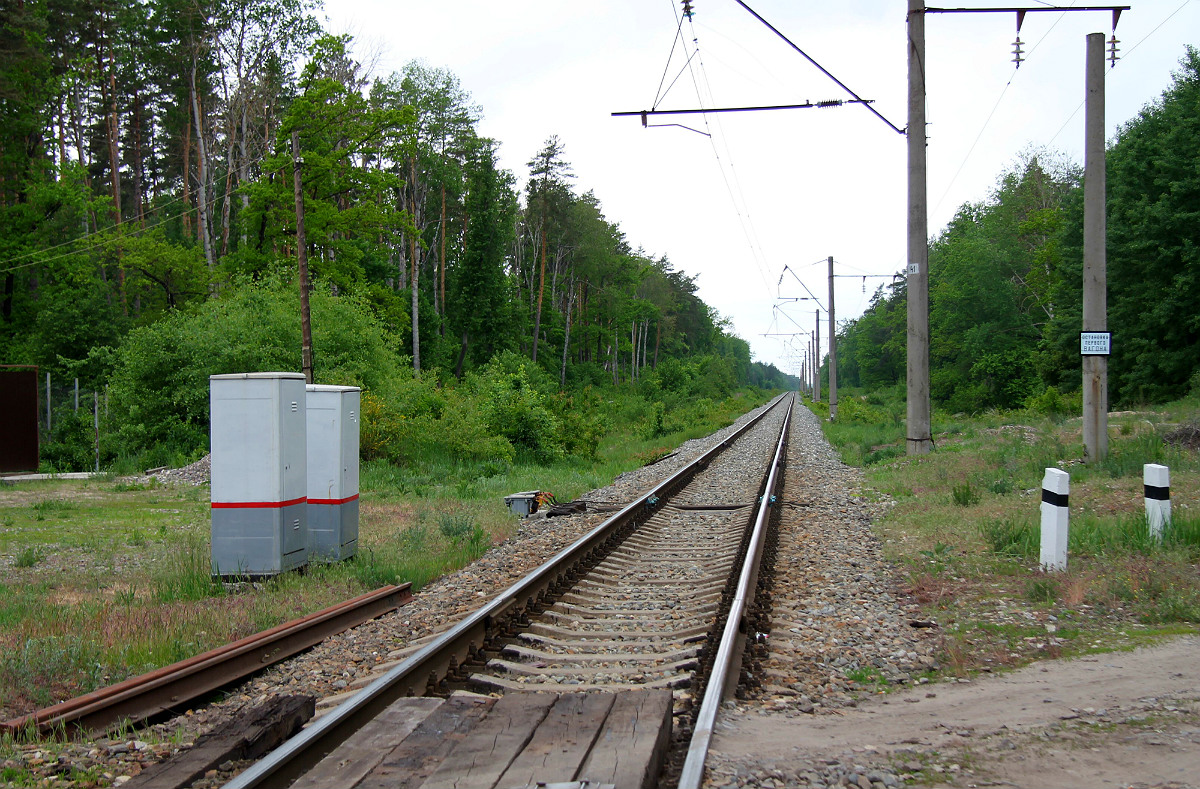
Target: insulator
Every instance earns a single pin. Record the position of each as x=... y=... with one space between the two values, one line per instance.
x=1017 y=52
x=830 y=103
x=687 y=8
x=1112 y=50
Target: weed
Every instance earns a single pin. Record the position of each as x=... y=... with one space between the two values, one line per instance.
x=867 y=675
x=938 y=556
x=187 y=573
x=38 y=666
x=963 y=495
x=1010 y=537
x=46 y=506
x=1041 y=590
x=1001 y=487
x=652 y=455
x=28 y=556
x=454 y=526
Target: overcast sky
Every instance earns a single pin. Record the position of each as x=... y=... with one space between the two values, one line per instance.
x=771 y=189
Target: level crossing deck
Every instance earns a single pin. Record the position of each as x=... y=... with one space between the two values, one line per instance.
x=520 y=740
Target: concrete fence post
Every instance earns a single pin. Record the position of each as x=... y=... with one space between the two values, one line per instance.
x=1157 y=481
x=1056 y=487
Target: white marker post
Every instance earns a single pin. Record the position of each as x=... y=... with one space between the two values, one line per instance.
x=1157 y=480
x=1056 y=486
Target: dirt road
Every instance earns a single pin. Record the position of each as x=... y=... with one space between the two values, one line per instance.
x=1119 y=719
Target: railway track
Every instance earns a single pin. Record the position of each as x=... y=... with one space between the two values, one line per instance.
x=656 y=597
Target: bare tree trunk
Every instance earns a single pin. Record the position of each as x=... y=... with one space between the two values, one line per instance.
x=202 y=156
x=114 y=162
x=645 y=338
x=657 y=340
x=114 y=154
x=62 y=135
x=138 y=186
x=225 y=207
x=439 y=292
x=416 y=321
x=537 y=321
x=244 y=170
x=187 y=177
x=633 y=355
x=562 y=376
x=462 y=355
x=616 y=376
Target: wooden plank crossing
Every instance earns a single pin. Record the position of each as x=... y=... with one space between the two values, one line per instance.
x=521 y=740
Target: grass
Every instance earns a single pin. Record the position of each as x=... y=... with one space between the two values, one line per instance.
x=964 y=526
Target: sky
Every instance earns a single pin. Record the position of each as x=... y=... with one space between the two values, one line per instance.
x=755 y=208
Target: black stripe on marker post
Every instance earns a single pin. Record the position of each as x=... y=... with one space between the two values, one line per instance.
x=1057 y=499
x=1156 y=493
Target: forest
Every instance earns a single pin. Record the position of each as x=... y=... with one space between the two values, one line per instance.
x=156 y=157
x=1005 y=278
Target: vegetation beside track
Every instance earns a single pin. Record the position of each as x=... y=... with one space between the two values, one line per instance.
x=962 y=524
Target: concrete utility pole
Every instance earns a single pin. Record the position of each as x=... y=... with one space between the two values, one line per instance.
x=306 y=360
x=817 y=357
x=920 y=440
x=1095 y=306
x=813 y=367
x=832 y=350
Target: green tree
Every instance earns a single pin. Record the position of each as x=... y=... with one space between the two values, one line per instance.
x=1154 y=244
x=479 y=309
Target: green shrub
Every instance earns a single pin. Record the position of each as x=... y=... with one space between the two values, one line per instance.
x=1050 y=402
x=512 y=407
x=71 y=444
x=159 y=389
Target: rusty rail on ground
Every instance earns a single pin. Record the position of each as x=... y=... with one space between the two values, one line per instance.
x=142 y=697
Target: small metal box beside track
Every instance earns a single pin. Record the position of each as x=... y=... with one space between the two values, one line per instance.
x=259 y=473
x=333 y=430
x=523 y=504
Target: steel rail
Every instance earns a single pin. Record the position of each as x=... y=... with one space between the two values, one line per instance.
x=144 y=696
x=732 y=645
x=429 y=666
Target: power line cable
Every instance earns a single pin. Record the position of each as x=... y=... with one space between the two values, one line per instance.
x=152 y=210
x=678 y=35
x=98 y=245
x=751 y=230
